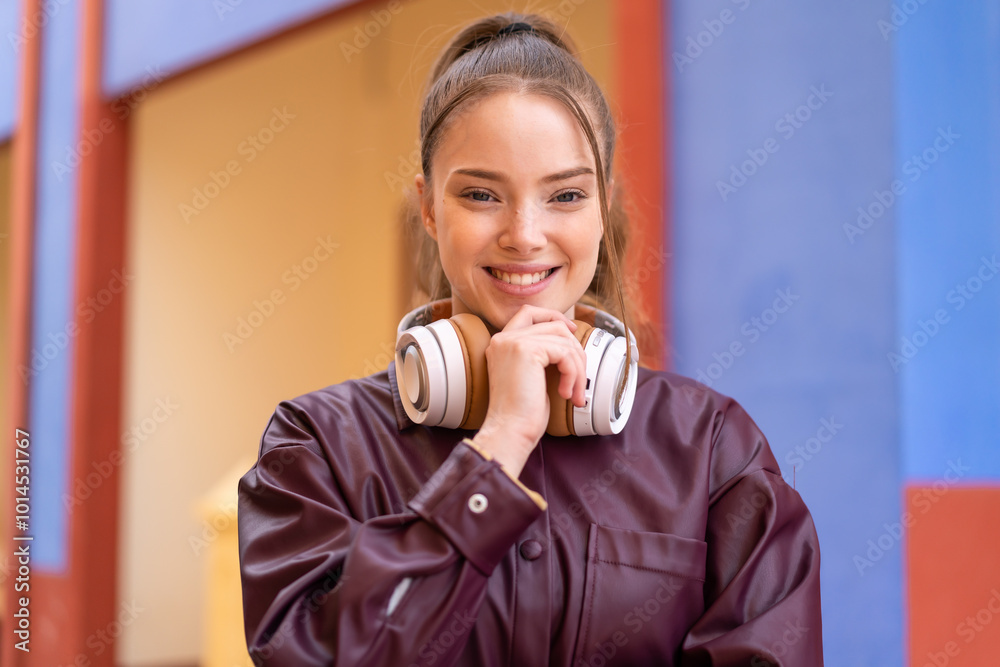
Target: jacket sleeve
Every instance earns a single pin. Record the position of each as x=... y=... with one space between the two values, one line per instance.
x=323 y=588
x=762 y=594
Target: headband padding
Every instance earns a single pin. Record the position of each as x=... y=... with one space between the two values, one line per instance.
x=475 y=339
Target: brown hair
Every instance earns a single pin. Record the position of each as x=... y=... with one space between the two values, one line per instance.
x=526 y=54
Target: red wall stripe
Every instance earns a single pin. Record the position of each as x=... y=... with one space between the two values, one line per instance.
x=24 y=150
x=639 y=33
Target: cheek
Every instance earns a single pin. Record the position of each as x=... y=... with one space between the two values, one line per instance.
x=584 y=253
x=450 y=237
x=592 y=242
x=457 y=247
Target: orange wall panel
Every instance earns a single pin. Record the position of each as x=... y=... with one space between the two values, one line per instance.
x=953 y=575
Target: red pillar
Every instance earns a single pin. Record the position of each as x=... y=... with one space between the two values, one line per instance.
x=643 y=152
x=24 y=151
x=96 y=380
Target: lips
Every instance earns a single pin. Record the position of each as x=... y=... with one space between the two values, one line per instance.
x=534 y=278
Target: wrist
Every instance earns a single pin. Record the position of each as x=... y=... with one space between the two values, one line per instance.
x=509 y=450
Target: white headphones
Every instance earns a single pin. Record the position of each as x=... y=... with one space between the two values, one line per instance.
x=442 y=379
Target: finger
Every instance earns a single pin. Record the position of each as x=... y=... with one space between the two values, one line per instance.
x=557 y=347
x=572 y=376
x=567 y=387
x=528 y=315
x=581 y=384
x=564 y=351
x=573 y=372
x=551 y=327
x=580 y=390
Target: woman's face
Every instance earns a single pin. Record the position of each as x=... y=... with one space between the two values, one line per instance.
x=514 y=207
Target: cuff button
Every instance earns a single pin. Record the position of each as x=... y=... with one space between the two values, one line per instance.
x=478 y=503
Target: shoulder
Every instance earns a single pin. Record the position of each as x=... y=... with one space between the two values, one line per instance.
x=695 y=415
x=325 y=414
x=664 y=395
x=358 y=393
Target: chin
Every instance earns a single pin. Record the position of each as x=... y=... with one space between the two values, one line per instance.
x=498 y=319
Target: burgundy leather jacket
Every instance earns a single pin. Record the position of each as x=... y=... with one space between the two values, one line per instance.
x=368 y=540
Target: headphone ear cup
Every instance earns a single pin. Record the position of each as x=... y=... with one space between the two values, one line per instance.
x=559 y=421
x=475 y=338
x=561 y=410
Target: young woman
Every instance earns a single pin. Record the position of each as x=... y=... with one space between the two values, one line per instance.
x=367 y=538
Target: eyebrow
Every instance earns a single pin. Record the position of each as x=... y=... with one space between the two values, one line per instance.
x=496 y=176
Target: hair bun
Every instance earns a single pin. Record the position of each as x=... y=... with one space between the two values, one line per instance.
x=505 y=30
x=514 y=28
x=494 y=30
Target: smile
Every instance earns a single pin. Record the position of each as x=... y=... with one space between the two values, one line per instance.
x=520 y=278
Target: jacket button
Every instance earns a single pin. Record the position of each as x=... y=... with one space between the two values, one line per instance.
x=530 y=549
x=478 y=503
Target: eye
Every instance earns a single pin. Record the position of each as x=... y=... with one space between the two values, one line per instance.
x=478 y=195
x=569 y=196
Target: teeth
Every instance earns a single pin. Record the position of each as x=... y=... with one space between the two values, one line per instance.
x=520 y=278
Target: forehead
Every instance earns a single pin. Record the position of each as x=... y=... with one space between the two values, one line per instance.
x=522 y=131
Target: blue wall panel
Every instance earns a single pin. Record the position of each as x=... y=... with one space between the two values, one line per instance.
x=783 y=127
x=12 y=29
x=54 y=270
x=948 y=349
x=172 y=35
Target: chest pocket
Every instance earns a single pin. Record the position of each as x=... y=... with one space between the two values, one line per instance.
x=643 y=591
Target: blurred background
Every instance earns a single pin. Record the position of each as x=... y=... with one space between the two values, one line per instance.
x=199 y=207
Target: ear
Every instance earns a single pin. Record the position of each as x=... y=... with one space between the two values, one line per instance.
x=426 y=206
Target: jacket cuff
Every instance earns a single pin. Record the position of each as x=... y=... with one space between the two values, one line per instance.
x=479 y=507
x=534 y=495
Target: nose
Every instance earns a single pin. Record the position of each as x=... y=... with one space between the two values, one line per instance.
x=522 y=231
